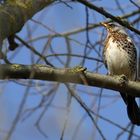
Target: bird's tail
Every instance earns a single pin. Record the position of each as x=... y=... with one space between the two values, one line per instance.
x=133 y=110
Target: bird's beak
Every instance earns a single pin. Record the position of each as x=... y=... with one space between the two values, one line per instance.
x=104 y=24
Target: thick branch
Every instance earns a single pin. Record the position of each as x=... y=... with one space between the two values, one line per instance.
x=14 y=14
x=41 y=72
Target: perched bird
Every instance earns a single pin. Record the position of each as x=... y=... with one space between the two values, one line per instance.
x=120 y=58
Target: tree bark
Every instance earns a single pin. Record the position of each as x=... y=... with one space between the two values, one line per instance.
x=14 y=14
x=67 y=75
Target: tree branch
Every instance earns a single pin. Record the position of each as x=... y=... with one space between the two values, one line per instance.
x=108 y=15
x=14 y=14
x=42 y=72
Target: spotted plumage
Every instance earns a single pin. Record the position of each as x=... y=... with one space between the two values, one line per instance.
x=120 y=57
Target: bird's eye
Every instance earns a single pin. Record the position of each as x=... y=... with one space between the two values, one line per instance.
x=112 y=25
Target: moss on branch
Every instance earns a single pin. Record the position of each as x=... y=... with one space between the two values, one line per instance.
x=14 y=14
x=42 y=72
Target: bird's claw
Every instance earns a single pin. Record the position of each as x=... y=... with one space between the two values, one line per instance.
x=123 y=80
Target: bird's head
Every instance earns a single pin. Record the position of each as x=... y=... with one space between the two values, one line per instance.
x=111 y=27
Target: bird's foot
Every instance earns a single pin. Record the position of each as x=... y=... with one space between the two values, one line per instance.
x=123 y=80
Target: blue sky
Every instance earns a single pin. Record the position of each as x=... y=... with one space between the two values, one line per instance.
x=61 y=18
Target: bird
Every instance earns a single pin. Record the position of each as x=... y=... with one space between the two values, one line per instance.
x=120 y=58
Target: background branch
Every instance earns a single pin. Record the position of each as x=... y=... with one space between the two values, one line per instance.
x=12 y=11
x=108 y=15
